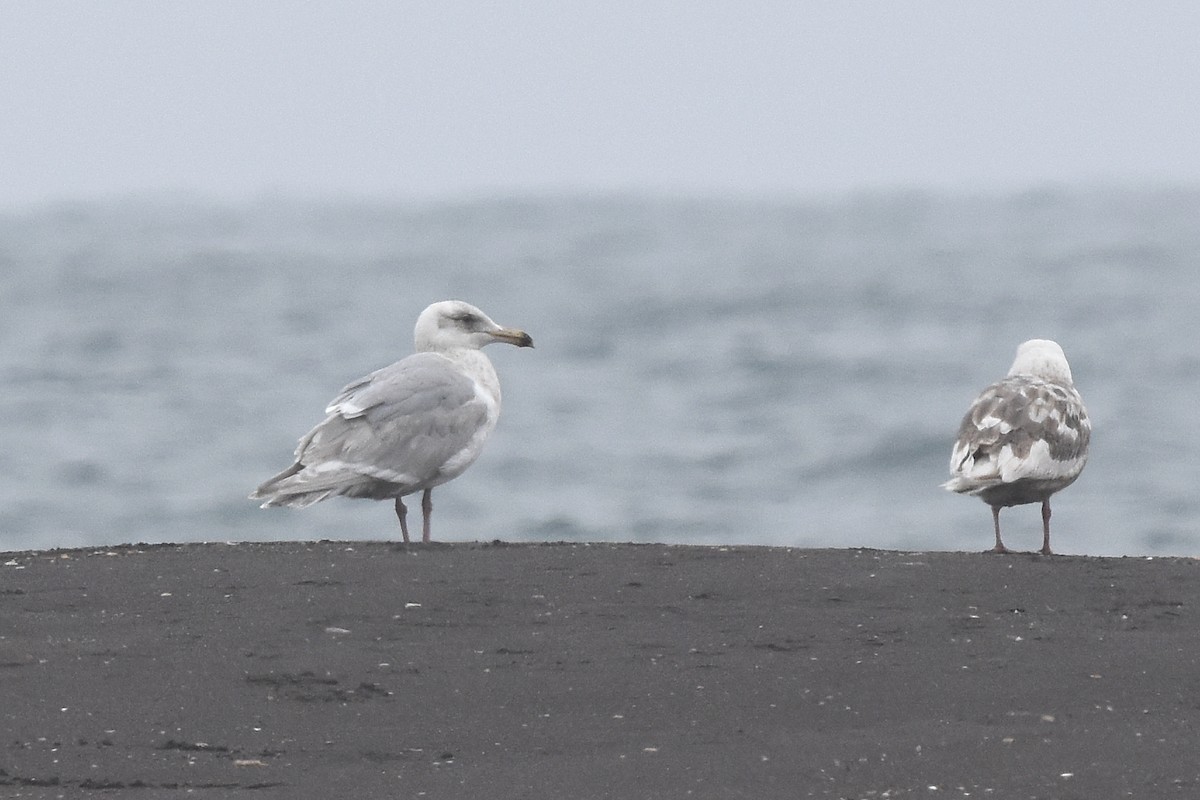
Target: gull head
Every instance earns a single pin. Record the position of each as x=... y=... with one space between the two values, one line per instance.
x=1043 y=359
x=453 y=324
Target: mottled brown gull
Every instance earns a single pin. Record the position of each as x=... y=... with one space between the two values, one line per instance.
x=407 y=427
x=1024 y=438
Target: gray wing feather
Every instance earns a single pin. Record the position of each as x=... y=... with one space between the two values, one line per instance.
x=1010 y=417
x=406 y=419
x=1030 y=411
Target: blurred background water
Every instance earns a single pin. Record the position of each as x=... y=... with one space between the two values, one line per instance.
x=776 y=372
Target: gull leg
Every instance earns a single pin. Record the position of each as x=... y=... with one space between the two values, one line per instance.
x=1046 y=551
x=426 y=510
x=402 y=513
x=999 y=548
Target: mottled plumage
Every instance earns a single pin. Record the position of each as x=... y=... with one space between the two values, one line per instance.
x=1024 y=438
x=407 y=427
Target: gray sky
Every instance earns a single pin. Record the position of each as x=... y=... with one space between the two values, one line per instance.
x=448 y=97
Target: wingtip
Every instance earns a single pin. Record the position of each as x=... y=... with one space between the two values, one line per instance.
x=957 y=485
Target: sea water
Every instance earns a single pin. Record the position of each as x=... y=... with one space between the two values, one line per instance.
x=716 y=371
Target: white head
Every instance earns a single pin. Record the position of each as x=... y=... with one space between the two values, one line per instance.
x=453 y=324
x=1044 y=359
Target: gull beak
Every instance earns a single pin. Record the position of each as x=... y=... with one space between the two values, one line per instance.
x=513 y=336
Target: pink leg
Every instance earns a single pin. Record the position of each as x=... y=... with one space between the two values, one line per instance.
x=402 y=513
x=999 y=548
x=426 y=510
x=1046 y=551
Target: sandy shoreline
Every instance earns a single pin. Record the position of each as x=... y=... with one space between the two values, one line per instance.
x=366 y=669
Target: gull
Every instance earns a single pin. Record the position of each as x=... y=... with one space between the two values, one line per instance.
x=1024 y=438
x=408 y=427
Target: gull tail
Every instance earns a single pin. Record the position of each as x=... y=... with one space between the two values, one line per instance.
x=302 y=485
x=961 y=484
x=285 y=489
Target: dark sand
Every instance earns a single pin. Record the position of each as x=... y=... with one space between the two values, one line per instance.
x=368 y=670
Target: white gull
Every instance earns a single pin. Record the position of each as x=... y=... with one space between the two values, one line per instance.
x=407 y=427
x=1024 y=438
